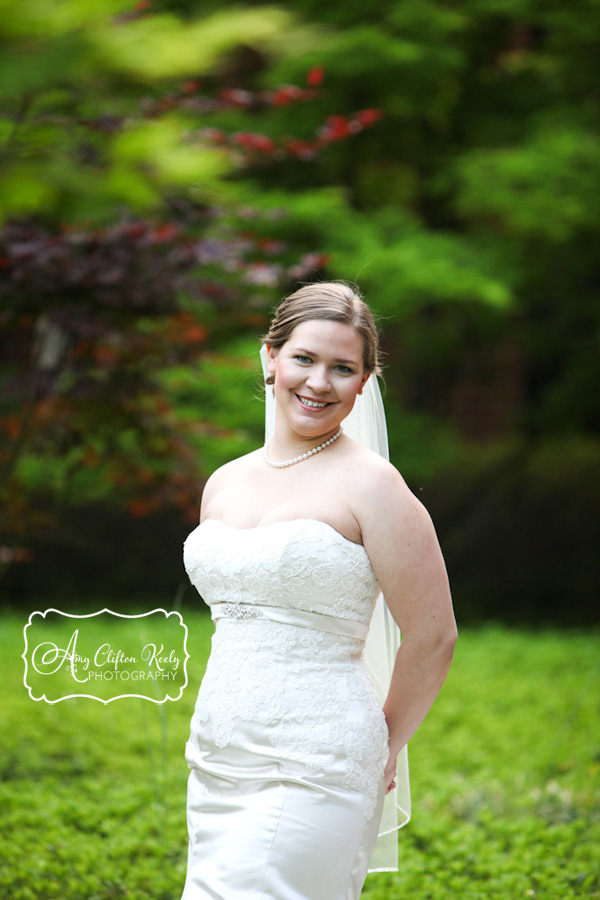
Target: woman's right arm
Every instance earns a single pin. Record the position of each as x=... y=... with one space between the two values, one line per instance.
x=209 y=505
x=224 y=488
x=208 y=496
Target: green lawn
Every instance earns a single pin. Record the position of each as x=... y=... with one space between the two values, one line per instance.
x=505 y=780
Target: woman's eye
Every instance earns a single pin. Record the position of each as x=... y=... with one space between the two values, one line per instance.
x=306 y=360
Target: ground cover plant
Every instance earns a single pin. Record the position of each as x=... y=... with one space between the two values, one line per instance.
x=504 y=777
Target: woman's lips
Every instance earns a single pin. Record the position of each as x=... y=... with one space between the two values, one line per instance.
x=307 y=403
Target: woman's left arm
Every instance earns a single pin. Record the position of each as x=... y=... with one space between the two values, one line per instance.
x=402 y=545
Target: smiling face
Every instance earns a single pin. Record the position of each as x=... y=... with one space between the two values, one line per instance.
x=318 y=373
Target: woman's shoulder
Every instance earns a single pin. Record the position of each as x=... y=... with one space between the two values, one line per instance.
x=374 y=470
x=240 y=467
x=229 y=473
x=380 y=491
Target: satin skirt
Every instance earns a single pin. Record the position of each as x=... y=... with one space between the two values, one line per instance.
x=263 y=828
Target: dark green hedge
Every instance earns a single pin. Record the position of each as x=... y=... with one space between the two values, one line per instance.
x=519 y=527
x=520 y=530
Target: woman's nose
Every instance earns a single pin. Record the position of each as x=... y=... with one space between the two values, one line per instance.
x=318 y=379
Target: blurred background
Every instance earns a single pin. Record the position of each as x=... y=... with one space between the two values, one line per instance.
x=171 y=169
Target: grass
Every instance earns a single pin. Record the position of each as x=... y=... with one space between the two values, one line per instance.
x=504 y=772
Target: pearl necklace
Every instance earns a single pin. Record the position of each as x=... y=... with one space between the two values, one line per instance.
x=297 y=459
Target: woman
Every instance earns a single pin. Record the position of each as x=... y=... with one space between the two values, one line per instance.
x=291 y=753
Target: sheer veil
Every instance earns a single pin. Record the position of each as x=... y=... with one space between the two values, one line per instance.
x=366 y=424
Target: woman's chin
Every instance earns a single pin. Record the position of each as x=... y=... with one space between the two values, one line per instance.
x=316 y=429
x=312 y=423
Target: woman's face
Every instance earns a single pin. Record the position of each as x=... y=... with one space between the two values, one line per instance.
x=318 y=373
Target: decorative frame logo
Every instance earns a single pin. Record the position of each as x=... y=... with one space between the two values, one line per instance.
x=62 y=660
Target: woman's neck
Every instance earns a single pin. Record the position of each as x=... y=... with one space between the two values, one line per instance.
x=286 y=444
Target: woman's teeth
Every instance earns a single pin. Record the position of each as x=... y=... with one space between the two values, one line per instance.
x=315 y=403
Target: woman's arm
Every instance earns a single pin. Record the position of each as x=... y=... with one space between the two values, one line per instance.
x=400 y=539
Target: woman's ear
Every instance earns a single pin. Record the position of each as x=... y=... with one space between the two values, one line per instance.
x=271 y=356
x=363 y=382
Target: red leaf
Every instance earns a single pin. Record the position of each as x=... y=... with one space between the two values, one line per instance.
x=135 y=230
x=104 y=354
x=186 y=330
x=300 y=149
x=253 y=141
x=286 y=94
x=141 y=508
x=315 y=76
x=12 y=424
x=335 y=128
x=368 y=116
x=243 y=138
x=236 y=97
x=196 y=334
x=165 y=232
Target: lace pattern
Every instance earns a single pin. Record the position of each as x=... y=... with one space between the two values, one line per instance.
x=308 y=688
x=304 y=564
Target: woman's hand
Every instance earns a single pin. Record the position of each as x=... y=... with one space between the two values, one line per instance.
x=389 y=774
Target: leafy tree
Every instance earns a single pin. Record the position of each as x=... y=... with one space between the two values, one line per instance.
x=147 y=272
x=473 y=208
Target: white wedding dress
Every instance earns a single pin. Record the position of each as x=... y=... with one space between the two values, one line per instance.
x=288 y=740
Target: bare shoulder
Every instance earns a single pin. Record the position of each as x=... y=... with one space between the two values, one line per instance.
x=226 y=477
x=382 y=489
x=384 y=504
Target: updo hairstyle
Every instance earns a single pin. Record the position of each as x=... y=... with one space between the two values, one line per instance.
x=333 y=301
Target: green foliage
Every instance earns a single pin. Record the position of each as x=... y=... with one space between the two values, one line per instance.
x=468 y=216
x=481 y=184
x=220 y=397
x=504 y=776
x=542 y=189
x=518 y=524
x=399 y=264
x=164 y=46
x=69 y=71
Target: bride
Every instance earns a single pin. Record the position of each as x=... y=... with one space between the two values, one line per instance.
x=292 y=753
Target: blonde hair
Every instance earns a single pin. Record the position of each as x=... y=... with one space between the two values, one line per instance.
x=334 y=301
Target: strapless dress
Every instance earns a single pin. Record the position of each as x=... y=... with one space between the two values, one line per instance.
x=288 y=739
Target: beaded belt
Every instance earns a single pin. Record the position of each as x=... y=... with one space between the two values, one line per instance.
x=331 y=624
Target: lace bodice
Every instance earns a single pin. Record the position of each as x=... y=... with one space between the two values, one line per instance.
x=301 y=563
x=309 y=689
